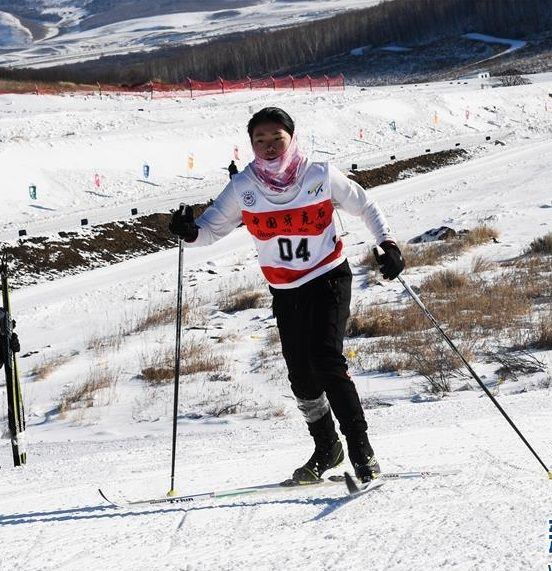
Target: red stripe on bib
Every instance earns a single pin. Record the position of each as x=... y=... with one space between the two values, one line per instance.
x=282 y=275
x=310 y=220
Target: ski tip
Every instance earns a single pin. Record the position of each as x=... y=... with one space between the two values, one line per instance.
x=351 y=485
x=105 y=497
x=113 y=504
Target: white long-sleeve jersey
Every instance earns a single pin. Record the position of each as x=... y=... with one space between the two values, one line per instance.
x=294 y=231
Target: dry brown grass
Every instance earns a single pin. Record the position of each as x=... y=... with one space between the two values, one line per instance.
x=431 y=253
x=224 y=408
x=474 y=305
x=481 y=265
x=240 y=299
x=430 y=357
x=445 y=283
x=85 y=394
x=481 y=234
x=541 y=337
x=425 y=354
x=44 y=369
x=195 y=357
x=109 y=341
x=271 y=347
x=155 y=315
x=542 y=245
x=160 y=314
x=514 y=363
x=467 y=308
x=474 y=310
x=378 y=321
x=391 y=363
x=464 y=304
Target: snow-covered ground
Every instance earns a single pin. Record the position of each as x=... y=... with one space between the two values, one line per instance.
x=139 y=34
x=492 y=515
x=12 y=33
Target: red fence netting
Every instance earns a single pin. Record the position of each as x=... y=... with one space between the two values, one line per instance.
x=190 y=87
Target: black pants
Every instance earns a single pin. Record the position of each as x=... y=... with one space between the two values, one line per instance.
x=311 y=320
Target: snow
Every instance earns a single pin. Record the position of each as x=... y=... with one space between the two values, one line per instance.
x=12 y=32
x=492 y=515
x=189 y=27
x=514 y=44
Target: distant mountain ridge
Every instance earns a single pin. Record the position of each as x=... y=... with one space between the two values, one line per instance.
x=264 y=37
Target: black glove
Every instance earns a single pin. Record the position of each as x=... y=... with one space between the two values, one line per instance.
x=14 y=343
x=391 y=262
x=182 y=224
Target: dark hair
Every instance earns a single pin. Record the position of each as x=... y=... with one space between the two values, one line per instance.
x=271 y=115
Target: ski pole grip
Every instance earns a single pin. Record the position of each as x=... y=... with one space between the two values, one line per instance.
x=378 y=252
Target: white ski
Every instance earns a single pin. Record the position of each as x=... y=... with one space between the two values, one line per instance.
x=288 y=485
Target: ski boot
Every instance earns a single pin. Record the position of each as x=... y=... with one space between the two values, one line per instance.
x=362 y=458
x=328 y=451
x=324 y=458
x=369 y=471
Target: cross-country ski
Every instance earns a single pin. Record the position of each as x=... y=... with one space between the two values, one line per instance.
x=284 y=486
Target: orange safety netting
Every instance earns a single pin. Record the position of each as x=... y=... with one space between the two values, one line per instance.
x=189 y=87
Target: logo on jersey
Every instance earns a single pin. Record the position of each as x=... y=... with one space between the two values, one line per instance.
x=248 y=198
x=316 y=189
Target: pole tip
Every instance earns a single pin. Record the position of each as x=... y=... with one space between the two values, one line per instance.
x=550 y=474
x=171 y=493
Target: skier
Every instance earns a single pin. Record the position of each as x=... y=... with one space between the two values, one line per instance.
x=286 y=201
x=14 y=340
x=232 y=169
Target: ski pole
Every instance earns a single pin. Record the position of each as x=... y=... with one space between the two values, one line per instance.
x=428 y=314
x=172 y=491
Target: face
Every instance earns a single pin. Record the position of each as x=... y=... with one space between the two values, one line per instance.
x=270 y=140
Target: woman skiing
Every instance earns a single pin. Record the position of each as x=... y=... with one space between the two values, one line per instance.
x=287 y=203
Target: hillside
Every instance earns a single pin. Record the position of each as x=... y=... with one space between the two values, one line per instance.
x=394 y=41
x=97 y=347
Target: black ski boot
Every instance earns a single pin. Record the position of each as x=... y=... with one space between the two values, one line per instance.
x=323 y=459
x=328 y=451
x=369 y=471
x=362 y=458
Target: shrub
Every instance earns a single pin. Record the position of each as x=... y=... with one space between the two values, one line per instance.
x=480 y=265
x=85 y=394
x=43 y=370
x=543 y=334
x=430 y=357
x=479 y=235
x=195 y=357
x=241 y=299
x=431 y=253
x=371 y=321
x=517 y=362
x=446 y=281
x=542 y=245
x=160 y=314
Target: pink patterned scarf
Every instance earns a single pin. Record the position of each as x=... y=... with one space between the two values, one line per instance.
x=281 y=172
